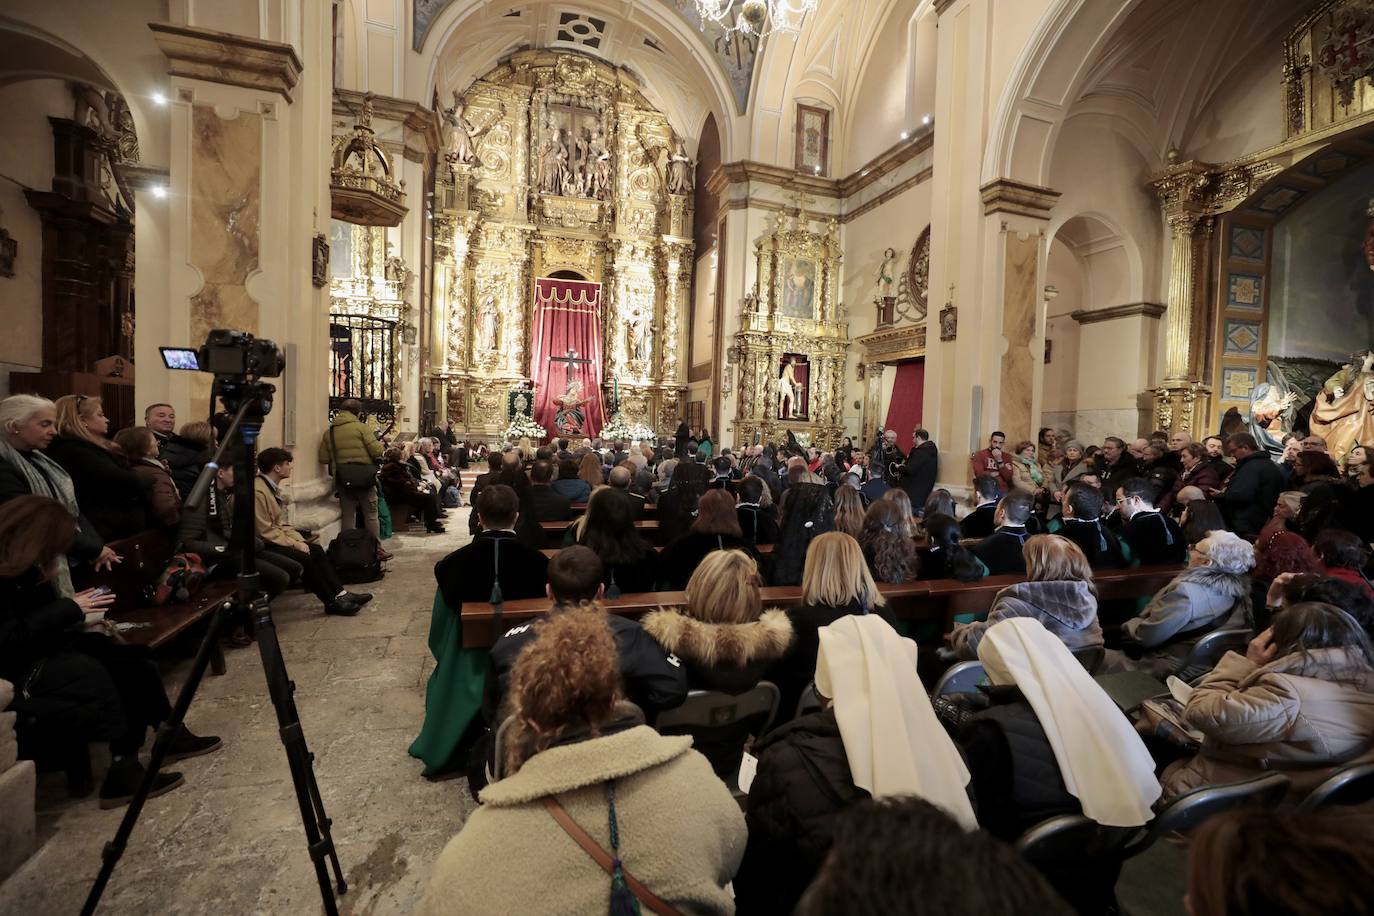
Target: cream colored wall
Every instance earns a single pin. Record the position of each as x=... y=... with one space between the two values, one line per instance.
x=896 y=224
x=26 y=157
x=877 y=122
x=1061 y=373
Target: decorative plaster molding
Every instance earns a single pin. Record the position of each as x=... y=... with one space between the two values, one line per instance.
x=942 y=5
x=1091 y=316
x=887 y=162
x=878 y=167
x=892 y=345
x=1007 y=196
x=142 y=177
x=234 y=60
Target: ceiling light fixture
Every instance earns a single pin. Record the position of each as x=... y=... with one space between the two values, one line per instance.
x=756 y=18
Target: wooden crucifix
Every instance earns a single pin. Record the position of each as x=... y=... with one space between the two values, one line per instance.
x=570 y=359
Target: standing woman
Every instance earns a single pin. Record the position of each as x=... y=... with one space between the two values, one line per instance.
x=27 y=425
x=106 y=490
x=705 y=447
x=76 y=685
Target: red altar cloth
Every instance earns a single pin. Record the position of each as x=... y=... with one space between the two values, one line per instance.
x=567 y=323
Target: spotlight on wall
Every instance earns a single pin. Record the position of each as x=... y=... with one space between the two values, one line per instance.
x=159 y=191
x=818 y=170
x=926 y=119
x=906 y=134
x=159 y=98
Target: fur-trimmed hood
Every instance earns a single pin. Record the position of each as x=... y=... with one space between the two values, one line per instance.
x=1232 y=585
x=710 y=645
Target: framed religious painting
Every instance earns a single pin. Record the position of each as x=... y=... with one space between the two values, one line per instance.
x=813 y=140
x=794 y=387
x=798 y=288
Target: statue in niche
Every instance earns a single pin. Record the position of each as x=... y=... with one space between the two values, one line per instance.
x=887 y=272
x=789 y=390
x=600 y=166
x=679 y=171
x=552 y=162
x=582 y=164
x=570 y=418
x=488 y=324
x=1344 y=412
x=460 y=136
x=638 y=340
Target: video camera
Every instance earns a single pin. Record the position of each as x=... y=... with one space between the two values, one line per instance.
x=229 y=355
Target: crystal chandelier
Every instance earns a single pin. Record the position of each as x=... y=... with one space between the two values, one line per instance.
x=755 y=18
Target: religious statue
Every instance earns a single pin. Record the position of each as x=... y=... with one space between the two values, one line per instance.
x=488 y=324
x=570 y=419
x=637 y=341
x=1269 y=409
x=1344 y=412
x=600 y=166
x=460 y=137
x=552 y=162
x=887 y=272
x=789 y=390
x=679 y=171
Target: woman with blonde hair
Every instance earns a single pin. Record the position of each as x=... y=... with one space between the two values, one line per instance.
x=579 y=760
x=107 y=490
x=1058 y=591
x=849 y=511
x=835 y=583
x=723 y=633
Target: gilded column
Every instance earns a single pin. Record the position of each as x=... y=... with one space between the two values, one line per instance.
x=1182 y=191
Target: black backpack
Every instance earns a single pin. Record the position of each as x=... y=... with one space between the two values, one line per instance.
x=354 y=555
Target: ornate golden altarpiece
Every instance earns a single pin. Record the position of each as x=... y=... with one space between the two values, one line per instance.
x=558 y=164
x=794 y=310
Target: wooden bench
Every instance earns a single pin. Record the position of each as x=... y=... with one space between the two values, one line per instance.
x=646 y=509
x=937 y=600
x=763 y=549
x=646 y=526
x=145 y=557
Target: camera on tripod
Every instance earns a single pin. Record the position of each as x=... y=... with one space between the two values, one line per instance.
x=229 y=356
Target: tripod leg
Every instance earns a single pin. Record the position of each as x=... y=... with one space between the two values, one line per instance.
x=115 y=848
x=317 y=824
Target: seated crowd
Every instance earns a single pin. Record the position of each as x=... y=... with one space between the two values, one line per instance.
x=1269 y=552
x=863 y=789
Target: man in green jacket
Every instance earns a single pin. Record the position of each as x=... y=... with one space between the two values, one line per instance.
x=349 y=441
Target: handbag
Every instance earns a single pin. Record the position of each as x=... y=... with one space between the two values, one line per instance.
x=603 y=858
x=350 y=476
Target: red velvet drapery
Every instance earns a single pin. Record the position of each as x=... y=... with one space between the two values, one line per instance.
x=908 y=390
x=567 y=318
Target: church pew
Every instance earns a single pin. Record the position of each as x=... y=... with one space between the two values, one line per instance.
x=646 y=509
x=646 y=526
x=940 y=599
x=763 y=549
x=145 y=557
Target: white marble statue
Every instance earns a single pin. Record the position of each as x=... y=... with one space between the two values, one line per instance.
x=679 y=170
x=460 y=136
x=488 y=324
x=887 y=274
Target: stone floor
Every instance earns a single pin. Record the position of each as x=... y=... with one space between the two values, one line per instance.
x=230 y=839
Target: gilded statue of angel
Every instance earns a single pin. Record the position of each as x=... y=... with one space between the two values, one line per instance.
x=461 y=136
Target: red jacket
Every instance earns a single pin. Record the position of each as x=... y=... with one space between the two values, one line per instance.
x=984 y=465
x=1352 y=576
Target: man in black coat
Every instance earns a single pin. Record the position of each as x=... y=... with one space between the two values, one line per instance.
x=981 y=521
x=1153 y=537
x=1249 y=496
x=1001 y=551
x=549 y=504
x=918 y=477
x=684 y=433
x=1115 y=465
x=493 y=471
x=469 y=574
x=724 y=478
x=763 y=470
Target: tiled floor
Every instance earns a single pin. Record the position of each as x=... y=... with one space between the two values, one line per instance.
x=230 y=840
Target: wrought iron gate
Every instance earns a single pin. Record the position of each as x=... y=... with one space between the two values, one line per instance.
x=362 y=363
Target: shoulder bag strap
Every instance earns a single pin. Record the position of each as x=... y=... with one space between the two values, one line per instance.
x=603 y=858
x=333 y=451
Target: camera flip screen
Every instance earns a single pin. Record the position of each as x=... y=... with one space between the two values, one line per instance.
x=180 y=358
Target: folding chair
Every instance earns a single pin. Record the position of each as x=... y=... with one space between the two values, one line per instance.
x=721 y=724
x=1350 y=785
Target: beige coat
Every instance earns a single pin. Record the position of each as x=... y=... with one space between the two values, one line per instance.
x=681 y=833
x=1302 y=715
x=271 y=522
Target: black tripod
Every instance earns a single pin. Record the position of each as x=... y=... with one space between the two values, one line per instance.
x=249 y=402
